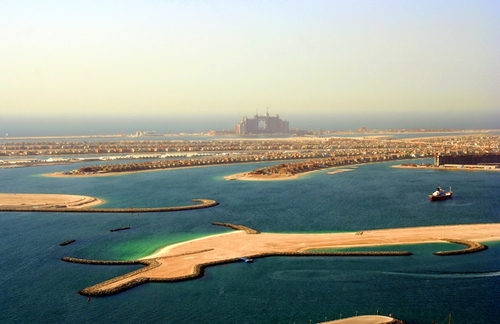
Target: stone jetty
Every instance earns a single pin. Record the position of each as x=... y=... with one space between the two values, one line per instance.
x=247 y=230
x=472 y=247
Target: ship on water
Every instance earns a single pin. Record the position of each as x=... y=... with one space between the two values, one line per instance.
x=440 y=194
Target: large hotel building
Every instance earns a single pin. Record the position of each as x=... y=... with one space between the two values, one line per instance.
x=262 y=125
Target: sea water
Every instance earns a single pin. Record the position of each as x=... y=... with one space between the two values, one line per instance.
x=37 y=287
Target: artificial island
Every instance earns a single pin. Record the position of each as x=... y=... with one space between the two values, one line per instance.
x=186 y=260
x=293 y=155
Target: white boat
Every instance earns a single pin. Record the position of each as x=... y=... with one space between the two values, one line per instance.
x=440 y=194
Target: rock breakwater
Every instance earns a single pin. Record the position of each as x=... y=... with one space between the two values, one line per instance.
x=198 y=271
x=247 y=230
x=472 y=247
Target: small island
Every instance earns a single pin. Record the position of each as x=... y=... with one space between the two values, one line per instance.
x=20 y=202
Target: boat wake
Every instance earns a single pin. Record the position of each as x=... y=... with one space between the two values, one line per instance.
x=447 y=275
x=455 y=203
x=313 y=275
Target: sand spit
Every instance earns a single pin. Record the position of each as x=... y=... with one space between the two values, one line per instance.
x=46 y=201
x=187 y=260
x=366 y=319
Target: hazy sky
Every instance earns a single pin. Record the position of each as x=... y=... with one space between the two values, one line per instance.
x=176 y=58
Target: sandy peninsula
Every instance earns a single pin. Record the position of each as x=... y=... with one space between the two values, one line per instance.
x=249 y=176
x=24 y=200
x=186 y=260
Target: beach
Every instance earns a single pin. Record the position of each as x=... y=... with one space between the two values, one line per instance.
x=238 y=243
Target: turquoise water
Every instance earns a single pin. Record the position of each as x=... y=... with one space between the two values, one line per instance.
x=36 y=287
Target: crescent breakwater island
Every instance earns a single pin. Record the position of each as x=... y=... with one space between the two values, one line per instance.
x=187 y=260
x=17 y=202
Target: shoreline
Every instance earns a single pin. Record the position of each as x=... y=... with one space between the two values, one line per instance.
x=161 y=251
x=410 y=240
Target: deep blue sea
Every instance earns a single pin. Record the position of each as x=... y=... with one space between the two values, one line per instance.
x=37 y=287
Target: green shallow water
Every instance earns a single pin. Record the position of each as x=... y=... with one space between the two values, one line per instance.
x=142 y=247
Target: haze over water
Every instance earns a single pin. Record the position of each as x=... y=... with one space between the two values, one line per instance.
x=86 y=126
x=188 y=66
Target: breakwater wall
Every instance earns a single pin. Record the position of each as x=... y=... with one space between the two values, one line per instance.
x=97 y=290
x=247 y=230
x=67 y=242
x=120 y=229
x=198 y=271
x=205 y=203
x=472 y=247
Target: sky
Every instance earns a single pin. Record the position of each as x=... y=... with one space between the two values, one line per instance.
x=372 y=62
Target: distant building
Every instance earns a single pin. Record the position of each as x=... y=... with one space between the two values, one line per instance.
x=467 y=159
x=146 y=133
x=262 y=125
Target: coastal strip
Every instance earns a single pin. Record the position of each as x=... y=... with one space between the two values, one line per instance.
x=204 y=203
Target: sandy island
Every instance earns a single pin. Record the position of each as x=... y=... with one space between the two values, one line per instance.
x=184 y=261
x=249 y=176
x=15 y=202
x=23 y=200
